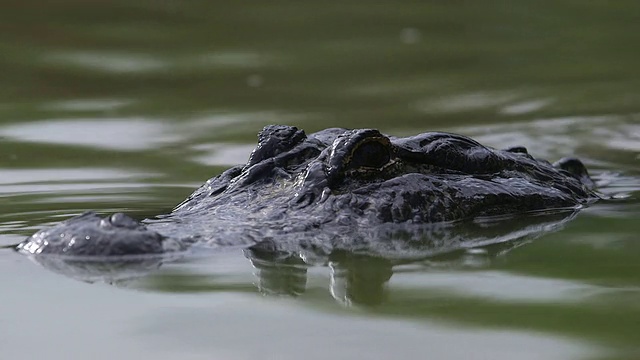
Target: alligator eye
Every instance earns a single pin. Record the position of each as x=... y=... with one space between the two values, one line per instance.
x=372 y=153
x=517 y=150
x=365 y=149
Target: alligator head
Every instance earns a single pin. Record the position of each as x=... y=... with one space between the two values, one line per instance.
x=333 y=183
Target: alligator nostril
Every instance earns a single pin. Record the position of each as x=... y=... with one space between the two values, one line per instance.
x=123 y=221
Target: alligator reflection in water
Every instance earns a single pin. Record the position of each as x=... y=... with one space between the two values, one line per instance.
x=360 y=278
x=356 y=277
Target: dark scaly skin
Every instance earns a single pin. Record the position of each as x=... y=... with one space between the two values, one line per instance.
x=335 y=183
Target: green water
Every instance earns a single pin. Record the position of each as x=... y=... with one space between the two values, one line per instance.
x=128 y=106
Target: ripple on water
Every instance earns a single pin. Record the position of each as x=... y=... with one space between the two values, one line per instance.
x=625 y=137
x=235 y=59
x=114 y=62
x=328 y=336
x=66 y=180
x=558 y=137
x=466 y=102
x=223 y=154
x=29 y=193
x=33 y=176
x=80 y=105
x=131 y=63
x=502 y=286
x=126 y=134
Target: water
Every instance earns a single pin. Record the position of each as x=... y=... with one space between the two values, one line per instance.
x=118 y=106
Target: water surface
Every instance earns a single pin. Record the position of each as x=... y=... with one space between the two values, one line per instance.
x=117 y=106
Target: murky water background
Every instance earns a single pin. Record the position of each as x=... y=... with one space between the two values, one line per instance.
x=120 y=106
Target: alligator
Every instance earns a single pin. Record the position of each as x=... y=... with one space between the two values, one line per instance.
x=339 y=189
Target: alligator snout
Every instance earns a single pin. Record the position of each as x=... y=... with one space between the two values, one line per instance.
x=91 y=235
